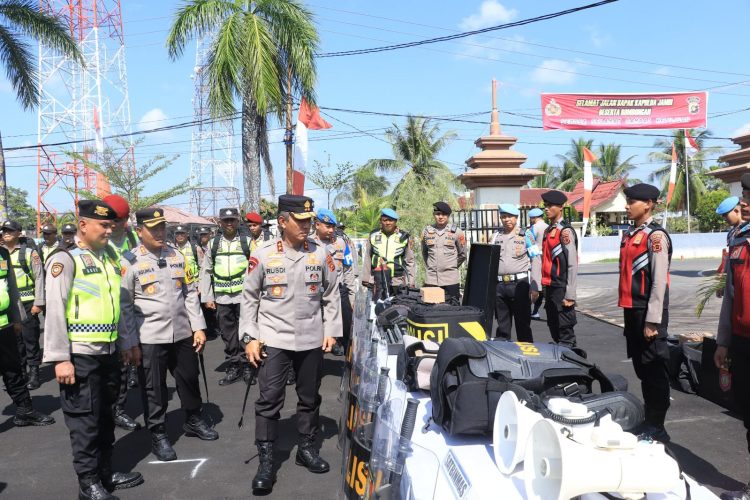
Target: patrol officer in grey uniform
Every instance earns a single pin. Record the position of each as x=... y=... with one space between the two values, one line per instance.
x=512 y=296
x=444 y=251
x=68 y=236
x=80 y=333
x=51 y=242
x=534 y=238
x=161 y=308
x=291 y=315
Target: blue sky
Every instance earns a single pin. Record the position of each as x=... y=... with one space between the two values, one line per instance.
x=628 y=46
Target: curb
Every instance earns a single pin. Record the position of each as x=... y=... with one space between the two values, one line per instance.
x=601 y=317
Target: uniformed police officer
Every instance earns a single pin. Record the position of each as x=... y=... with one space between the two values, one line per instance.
x=161 y=308
x=733 y=338
x=730 y=210
x=645 y=254
x=27 y=267
x=192 y=253
x=68 y=236
x=512 y=295
x=443 y=251
x=534 y=238
x=388 y=257
x=291 y=315
x=220 y=285
x=50 y=241
x=353 y=255
x=204 y=238
x=81 y=329
x=258 y=233
x=557 y=271
x=325 y=227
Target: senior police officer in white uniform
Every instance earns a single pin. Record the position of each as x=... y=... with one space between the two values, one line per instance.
x=291 y=315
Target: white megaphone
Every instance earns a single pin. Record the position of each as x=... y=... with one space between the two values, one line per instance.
x=513 y=423
x=557 y=467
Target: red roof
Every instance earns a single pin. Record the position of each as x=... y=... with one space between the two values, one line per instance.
x=601 y=193
x=177 y=216
x=532 y=197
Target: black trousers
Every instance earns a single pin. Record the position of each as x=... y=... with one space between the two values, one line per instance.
x=228 y=316
x=28 y=345
x=452 y=291
x=87 y=408
x=650 y=362
x=122 y=393
x=11 y=368
x=210 y=316
x=538 y=303
x=560 y=319
x=272 y=387
x=346 y=314
x=181 y=361
x=512 y=302
x=739 y=353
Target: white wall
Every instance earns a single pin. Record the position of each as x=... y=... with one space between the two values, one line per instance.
x=685 y=246
x=497 y=195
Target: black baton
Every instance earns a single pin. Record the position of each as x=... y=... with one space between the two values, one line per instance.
x=202 y=362
x=244 y=403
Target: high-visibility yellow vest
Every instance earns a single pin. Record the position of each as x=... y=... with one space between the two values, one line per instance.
x=230 y=265
x=24 y=280
x=191 y=262
x=128 y=243
x=389 y=250
x=93 y=308
x=4 y=293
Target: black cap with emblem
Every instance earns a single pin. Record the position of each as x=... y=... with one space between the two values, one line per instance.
x=554 y=197
x=443 y=207
x=642 y=191
x=95 y=209
x=69 y=228
x=11 y=225
x=150 y=217
x=301 y=207
x=49 y=229
x=229 y=213
x=204 y=230
x=180 y=229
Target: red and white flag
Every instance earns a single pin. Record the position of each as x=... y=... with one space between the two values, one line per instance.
x=588 y=184
x=691 y=147
x=308 y=118
x=672 y=174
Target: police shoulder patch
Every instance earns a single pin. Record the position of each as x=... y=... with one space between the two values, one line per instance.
x=329 y=262
x=56 y=269
x=252 y=263
x=35 y=258
x=656 y=242
x=565 y=236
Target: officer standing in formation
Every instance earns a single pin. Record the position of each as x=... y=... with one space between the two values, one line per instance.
x=161 y=308
x=645 y=255
x=204 y=237
x=512 y=295
x=220 y=284
x=388 y=258
x=192 y=253
x=258 y=233
x=733 y=338
x=534 y=238
x=325 y=228
x=81 y=330
x=291 y=315
x=27 y=267
x=443 y=251
x=557 y=271
x=68 y=237
x=50 y=241
x=730 y=211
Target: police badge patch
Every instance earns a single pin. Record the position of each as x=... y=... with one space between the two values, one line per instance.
x=329 y=262
x=56 y=269
x=656 y=243
x=565 y=237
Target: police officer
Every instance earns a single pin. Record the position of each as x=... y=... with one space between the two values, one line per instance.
x=557 y=271
x=27 y=267
x=730 y=210
x=351 y=255
x=258 y=232
x=325 y=228
x=443 y=251
x=51 y=241
x=68 y=236
x=512 y=294
x=204 y=238
x=388 y=256
x=161 y=308
x=121 y=240
x=220 y=284
x=192 y=253
x=534 y=237
x=81 y=329
x=291 y=315
x=645 y=255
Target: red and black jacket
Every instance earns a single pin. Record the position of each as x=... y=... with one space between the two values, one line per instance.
x=555 y=255
x=636 y=254
x=739 y=273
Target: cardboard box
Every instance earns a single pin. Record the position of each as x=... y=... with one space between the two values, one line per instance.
x=432 y=295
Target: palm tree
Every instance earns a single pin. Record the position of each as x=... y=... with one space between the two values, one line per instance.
x=572 y=167
x=365 y=183
x=609 y=167
x=548 y=179
x=262 y=53
x=697 y=167
x=20 y=19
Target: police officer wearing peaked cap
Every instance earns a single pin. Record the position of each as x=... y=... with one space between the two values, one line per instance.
x=81 y=333
x=291 y=315
x=68 y=233
x=443 y=251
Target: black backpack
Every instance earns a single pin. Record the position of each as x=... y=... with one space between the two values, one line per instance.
x=215 y=247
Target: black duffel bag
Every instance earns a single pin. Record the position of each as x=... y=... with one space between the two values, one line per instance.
x=470 y=376
x=437 y=322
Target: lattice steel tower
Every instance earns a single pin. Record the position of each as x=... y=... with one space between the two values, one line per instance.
x=213 y=171
x=81 y=104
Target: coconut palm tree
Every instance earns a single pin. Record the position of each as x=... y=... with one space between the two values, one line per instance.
x=572 y=164
x=549 y=179
x=609 y=167
x=364 y=183
x=21 y=19
x=262 y=52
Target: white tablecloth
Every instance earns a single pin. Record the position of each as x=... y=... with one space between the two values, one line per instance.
x=475 y=458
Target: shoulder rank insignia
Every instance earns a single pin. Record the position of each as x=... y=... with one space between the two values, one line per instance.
x=279 y=247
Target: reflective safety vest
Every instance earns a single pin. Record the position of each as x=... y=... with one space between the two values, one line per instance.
x=24 y=274
x=128 y=243
x=230 y=263
x=635 y=267
x=739 y=271
x=93 y=308
x=47 y=251
x=555 y=256
x=4 y=292
x=389 y=250
x=191 y=262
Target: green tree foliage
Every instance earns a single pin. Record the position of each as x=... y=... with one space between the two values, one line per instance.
x=609 y=166
x=19 y=209
x=268 y=209
x=549 y=179
x=332 y=181
x=364 y=184
x=262 y=49
x=705 y=211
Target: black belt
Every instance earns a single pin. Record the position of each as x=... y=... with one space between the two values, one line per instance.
x=510 y=278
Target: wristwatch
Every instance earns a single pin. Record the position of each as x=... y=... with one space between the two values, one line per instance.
x=247 y=339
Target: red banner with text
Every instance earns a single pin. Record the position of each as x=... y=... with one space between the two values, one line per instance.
x=624 y=111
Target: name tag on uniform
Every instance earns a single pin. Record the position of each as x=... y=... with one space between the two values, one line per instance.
x=91 y=270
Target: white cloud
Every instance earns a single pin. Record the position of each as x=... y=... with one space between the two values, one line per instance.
x=743 y=130
x=491 y=12
x=492 y=48
x=554 y=71
x=152 y=119
x=598 y=39
x=663 y=71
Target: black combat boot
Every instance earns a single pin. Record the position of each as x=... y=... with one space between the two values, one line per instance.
x=743 y=494
x=33 y=382
x=265 y=477
x=117 y=480
x=26 y=415
x=91 y=488
x=307 y=455
x=160 y=445
x=125 y=421
x=233 y=375
x=196 y=426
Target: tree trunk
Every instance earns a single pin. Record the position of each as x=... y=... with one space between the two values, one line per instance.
x=250 y=155
x=3 y=185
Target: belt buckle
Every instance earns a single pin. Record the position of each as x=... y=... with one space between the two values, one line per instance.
x=506 y=278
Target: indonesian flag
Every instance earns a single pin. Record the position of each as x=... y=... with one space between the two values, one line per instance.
x=98 y=137
x=691 y=147
x=588 y=184
x=672 y=174
x=298 y=183
x=308 y=119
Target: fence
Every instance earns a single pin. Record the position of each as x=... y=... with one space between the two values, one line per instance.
x=479 y=224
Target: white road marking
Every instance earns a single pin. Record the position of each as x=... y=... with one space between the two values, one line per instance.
x=200 y=461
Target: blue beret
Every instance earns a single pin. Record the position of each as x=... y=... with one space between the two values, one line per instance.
x=389 y=212
x=727 y=205
x=507 y=208
x=536 y=212
x=326 y=216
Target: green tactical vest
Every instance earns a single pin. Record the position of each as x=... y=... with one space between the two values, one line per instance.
x=230 y=264
x=93 y=308
x=4 y=293
x=24 y=280
x=389 y=249
x=191 y=263
x=128 y=243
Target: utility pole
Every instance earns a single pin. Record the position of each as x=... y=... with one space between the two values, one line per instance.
x=288 y=137
x=3 y=185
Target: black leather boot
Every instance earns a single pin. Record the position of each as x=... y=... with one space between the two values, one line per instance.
x=307 y=456
x=161 y=447
x=26 y=415
x=33 y=382
x=233 y=375
x=265 y=477
x=196 y=426
x=124 y=421
x=93 y=489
